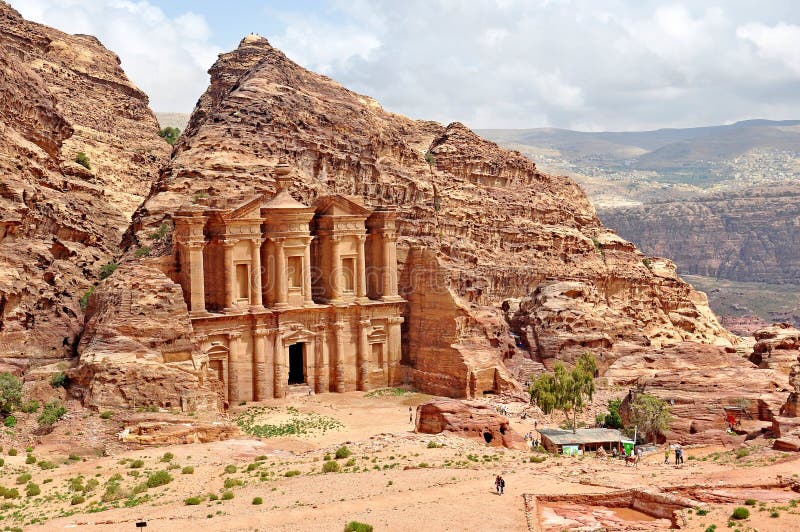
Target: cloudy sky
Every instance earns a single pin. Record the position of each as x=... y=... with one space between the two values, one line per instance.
x=579 y=64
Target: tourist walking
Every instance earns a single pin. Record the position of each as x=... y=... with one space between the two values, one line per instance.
x=502 y=485
x=678 y=455
x=666 y=453
x=497 y=484
x=410 y=415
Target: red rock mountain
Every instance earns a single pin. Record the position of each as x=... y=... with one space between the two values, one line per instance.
x=60 y=222
x=478 y=225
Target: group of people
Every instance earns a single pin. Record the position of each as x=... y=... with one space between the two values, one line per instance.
x=678 y=454
x=499 y=484
x=532 y=440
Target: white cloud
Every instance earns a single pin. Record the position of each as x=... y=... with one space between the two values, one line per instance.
x=780 y=42
x=166 y=57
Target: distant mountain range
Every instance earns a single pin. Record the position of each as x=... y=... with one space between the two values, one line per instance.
x=688 y=152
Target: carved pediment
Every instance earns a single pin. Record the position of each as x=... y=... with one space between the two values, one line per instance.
x=339 y=205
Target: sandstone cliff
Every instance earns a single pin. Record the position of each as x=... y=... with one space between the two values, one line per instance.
x=745 y=236
x=478 y=223
x=59 y=221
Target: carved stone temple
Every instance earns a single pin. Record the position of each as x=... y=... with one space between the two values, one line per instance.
x=284 y=294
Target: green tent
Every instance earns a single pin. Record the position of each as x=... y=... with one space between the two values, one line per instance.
x=628 y=446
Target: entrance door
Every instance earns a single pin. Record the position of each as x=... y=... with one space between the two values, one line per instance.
x=296 y=370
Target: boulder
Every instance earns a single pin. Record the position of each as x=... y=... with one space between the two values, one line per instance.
x=777 y=347
x=468 y=419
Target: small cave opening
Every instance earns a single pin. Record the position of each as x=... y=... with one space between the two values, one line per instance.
x=502 y=430
x=487 y=436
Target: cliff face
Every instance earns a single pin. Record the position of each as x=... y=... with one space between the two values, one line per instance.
x=477 y=223
x=59 y=222
x=747 y=236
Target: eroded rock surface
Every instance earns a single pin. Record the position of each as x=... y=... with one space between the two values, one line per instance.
x=777 y=347
x=59 y=222
x=467 y=419
x=137 y=349
x=699 y=382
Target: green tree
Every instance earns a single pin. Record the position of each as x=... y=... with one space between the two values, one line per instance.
x=566 y=390
x=612 y=419
x=650 y=414
x=170 y=134
x=10 y=393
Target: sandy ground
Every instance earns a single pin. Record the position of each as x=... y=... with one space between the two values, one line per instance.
x=392 y=480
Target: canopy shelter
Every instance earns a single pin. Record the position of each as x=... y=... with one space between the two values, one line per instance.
x=567 y=442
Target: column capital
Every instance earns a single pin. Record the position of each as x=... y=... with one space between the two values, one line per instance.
x=335 y=238
x=194 y=244
x=229 y=242
x=361 y=238
x=256 y=240
x=365 y=323
x=234 y=335
x=395 y=320
x=261 y=332
x=339 y=325
x=321 y=326
x=276 y=239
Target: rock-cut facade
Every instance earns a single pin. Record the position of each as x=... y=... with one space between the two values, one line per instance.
x=284 y=295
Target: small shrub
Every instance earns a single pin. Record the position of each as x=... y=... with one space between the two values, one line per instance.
x=12 y=452
x=84 y=301
x=537 y=459
x=106 y=414
x=228 y=495
x=140 y=488
x=32 y=490
x=192 y=501
x=343 y=452
x=169 y=134
x=136 y=464
x=30 y=459
x=82 y=159
x=74 y=457
x=232 y=483
x=10 y=392
x=2 y=462
x=10 y=421
x=159 y=478
x=741 y=453
x=230 y=469
x=355 y=526
x=9 y=493
x=107 y=269
x=750 y=502
x=740 y=512
x=423 y=465
x=47 y=464
x=188 y=470
x=167 y=457
x=702 y=511
x=433 y=445
x=350 y=463
x=159 y=234
x=258 y=500
x=212 y=497
x=143 y=251
x=23 y=478
x=326 y=457
x=29 y=407
x=774 y=514
x=77 y=499
x=52 y=412
x=330 y=467
x=28 y=449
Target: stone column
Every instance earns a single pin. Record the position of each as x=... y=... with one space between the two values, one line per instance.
x=338 y=329
x=363 y=356
x=279 y=363
x=394 y=350
x=256 y=301
x=361 y=273
x=389 y=266
x=335 y=273
x=281 y=282
x=308 y=300
x=322 y=373
x=197 y=298
x=269 y=365
x=311 y=363
x=234 y=356
x=227 y=254
x=259 y=365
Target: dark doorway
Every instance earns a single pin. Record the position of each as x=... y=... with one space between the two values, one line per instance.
x=296 y=373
